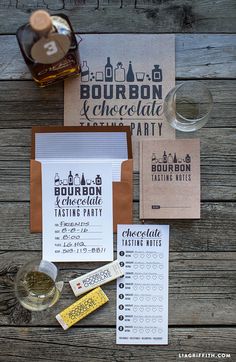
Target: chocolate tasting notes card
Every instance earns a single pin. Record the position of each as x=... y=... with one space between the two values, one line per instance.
x=124 y=80
x=170 y=179
x=142 y=293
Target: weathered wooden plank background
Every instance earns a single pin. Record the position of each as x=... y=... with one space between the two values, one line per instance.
x=130 y=15
x=202 y=294
x=197 y=56
x=50 y=341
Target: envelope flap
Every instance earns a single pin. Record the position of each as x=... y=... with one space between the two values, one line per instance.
x=81 y=129
x=35 y=196
x=35 y=172
x=127 y=171
x=122 y=203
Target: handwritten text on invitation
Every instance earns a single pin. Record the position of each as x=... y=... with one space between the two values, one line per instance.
x=77 y=211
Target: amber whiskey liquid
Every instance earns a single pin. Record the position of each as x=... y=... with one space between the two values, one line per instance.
x=37 y=285
x=38 y=291
x=49 y=47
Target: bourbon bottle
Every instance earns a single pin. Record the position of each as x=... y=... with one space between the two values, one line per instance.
x=56 y=180
x=49 y=47
x=70 y=179
x=82 y=181
x=108 y=71
x=130 y=73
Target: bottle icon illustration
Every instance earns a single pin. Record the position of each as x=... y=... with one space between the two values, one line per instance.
x=76 y=180
x=164 y=157
x=85 y=72
x=140 y=76
x=119 y=73
x=99 y=76
x=56 y=180
x=154 y=158
x=156 y=74
x=82 y=182
x=130 y=73
x=98 y=180
x=187 y=158
x=108 y=71
x=170 y=158
x=70 y=179
x=175 y=158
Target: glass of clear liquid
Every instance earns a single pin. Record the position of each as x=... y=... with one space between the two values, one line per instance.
x=187 y=107
x=38 y=285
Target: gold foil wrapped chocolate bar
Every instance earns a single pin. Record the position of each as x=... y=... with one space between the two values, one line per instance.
x=96 y=278
x=81 y=308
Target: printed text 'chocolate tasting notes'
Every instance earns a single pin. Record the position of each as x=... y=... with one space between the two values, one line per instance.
x=120 y=85
x=142 y=294
x=170 y=179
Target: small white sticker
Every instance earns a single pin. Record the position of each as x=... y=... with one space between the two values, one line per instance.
x=51 y=47
x=48 y=268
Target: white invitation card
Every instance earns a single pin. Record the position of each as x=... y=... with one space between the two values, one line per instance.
x=77 y=211
x=142 y=293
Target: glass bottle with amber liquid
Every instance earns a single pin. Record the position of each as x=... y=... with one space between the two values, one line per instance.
x=49 y=47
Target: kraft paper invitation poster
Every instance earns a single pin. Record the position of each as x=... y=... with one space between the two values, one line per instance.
x=124 y=80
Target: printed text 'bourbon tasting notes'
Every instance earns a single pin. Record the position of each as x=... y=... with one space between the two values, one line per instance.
x=120 y=85
x=142 y=294
x=170 y=179
x=77 y=211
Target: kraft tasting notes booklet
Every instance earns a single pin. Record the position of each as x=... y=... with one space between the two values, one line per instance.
x=170 y=179
x=142 y=293
x=120 y=85
x=77 y=211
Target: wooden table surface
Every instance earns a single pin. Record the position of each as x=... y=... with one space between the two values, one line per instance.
x=202 y=293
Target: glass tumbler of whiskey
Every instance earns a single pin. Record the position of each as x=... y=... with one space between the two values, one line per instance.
x=49 y=47
x=38 y=285
x=187 y=107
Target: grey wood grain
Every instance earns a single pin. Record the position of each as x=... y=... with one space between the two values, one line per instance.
x=218 y=156
x=215 y=231
x=217 y=183
x=203 y=252
x=25 y=113
x=202 y=291
x=223 y=91
x=197 y=56
x=114 y=16
x=14 y=183
x=94 y=344
x=24 y=104
x=215 y=143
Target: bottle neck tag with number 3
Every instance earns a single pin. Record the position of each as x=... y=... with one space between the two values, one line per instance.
x=51 y=49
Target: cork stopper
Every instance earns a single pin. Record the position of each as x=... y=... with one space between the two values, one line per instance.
x=40 y=21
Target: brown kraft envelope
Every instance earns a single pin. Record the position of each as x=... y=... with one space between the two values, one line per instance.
x=122 y=191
